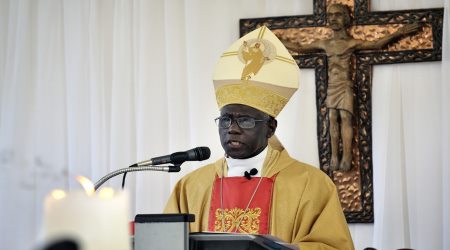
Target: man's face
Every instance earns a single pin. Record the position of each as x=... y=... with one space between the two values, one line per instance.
x=243 y=143
x=337 y=18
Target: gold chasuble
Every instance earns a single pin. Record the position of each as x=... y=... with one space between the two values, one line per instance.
x=239 y=205
x=303 y=206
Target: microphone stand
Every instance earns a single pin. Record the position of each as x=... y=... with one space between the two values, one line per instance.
x=174 y=168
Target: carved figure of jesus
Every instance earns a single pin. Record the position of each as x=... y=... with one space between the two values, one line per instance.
x=339 y=101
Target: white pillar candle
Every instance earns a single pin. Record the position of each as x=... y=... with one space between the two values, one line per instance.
x=95 y=222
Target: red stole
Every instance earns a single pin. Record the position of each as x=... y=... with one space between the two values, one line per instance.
x=237 y=193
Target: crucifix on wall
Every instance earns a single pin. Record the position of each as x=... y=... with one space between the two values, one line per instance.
x=342 y=40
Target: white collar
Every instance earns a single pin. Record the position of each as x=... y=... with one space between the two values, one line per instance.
x=237 y=167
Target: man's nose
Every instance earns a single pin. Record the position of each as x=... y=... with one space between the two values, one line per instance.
x=234 y=127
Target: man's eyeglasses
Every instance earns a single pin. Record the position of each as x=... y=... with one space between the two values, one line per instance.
x=242 y=122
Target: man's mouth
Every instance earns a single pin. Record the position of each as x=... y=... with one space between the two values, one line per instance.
x=234 y=143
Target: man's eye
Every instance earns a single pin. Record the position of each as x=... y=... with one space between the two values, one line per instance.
x=245 y=119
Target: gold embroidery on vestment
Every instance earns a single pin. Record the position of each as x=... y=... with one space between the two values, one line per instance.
x=248 y=222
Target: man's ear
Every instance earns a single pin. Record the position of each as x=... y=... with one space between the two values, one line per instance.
x=272 y=123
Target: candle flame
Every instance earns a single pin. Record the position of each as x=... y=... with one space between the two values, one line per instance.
x=106 y=193
x=87 y=184
x=58 y=194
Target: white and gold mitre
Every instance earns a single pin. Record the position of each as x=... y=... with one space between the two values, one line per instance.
x=258 y=71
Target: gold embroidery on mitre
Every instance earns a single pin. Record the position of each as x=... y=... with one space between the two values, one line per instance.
x=254 y=53
x=237 y=220
x=285 y=59
x=251 y=95
x=231 y=53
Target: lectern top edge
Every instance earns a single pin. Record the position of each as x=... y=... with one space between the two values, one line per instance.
x=146 y=218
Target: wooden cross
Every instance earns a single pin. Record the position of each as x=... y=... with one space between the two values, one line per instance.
x=356 y=186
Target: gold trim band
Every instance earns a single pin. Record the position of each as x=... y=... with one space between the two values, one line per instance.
x=251 y=95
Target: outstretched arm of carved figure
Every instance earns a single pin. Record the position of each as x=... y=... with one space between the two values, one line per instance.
x=302 y=48
x=380 y=43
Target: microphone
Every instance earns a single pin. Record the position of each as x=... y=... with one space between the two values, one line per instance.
x=195 y=154
x=248 y=175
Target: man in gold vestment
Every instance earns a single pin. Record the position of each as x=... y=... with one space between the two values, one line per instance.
x=257 y=187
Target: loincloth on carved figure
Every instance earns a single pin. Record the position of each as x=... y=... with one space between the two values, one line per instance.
x=340 y=95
